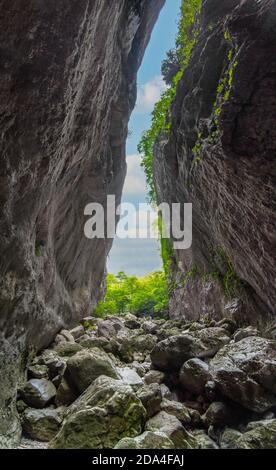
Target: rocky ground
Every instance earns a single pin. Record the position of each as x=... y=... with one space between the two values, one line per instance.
x=136 y=383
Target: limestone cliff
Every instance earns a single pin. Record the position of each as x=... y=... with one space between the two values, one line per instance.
x=67 y=88
x=220 y=155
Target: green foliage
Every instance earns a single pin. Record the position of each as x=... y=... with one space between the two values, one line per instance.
x=185 y=41
x=140 y=296
x=231 y=283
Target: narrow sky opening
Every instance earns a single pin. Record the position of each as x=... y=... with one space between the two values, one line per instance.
x=141 y=256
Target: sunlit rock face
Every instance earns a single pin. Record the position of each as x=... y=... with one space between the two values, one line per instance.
x=220 y=156
x=67 y=88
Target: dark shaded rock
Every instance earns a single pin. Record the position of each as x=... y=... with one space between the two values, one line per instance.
x=105 y=413
x=221 y=414
x=151 y=397
x=42 y=425
x=65 y=394
x=242 y=371
x=170 y=354
x=85 y=366
x=194 y=375
x=38 y=392
x=68 y=86
x=38 y=372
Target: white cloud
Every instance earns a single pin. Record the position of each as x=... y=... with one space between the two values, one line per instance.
x=149 y=94
x=135 y=183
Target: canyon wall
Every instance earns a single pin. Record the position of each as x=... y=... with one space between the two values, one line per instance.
x=220 y=156
x=67 y=88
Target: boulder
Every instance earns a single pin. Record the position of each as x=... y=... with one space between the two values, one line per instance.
x=104 y=414
x=150 y=396
x=259 y=435
x=55 y=365
x=130 y=377
x=176 y=409
x=165 y=391
x=67 y=349
x=150 y=327
x=109 y=328
x=243 y=372
x=42 y=425
x=242 y=333
x=194 y=375
x=38 y=392
x=154 y=377
x=171 y=353
x=67 y=336
x=172 y=427
x=131 y=322
x=203 y=441
x=147 y=440
x=228 y=438
x=85 y=366
x=77 y=332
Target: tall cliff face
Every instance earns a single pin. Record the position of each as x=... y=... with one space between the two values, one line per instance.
x=220 y=156
x=67 y=88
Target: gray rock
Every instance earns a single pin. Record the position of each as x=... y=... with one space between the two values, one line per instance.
x=165 y=391
x=85 y=366
x=245 y=333
x=260 y=435
x=131 y=322
x=172 y=427
x=67 y=336
x=41 y=424
x=204 y=441
x=130 y=377
x=65 y=394
x=151 y=397
x=38 y=392
x=105 y=413
x=176 y=409
x=240 y=371
x=77 y=332
x=147 y=440
x=150 y=327
x=229 y=438
x=194 y=375
x=221 y=414
x=67 y=349
x=170 y=354
x=38 y=371
x=154 y=376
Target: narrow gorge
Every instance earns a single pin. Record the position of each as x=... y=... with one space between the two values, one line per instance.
x=203 y=375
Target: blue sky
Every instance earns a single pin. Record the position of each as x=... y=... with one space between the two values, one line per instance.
x=140 y=256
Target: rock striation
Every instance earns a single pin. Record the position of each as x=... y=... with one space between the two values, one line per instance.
x=67 y=88
x=219 y=155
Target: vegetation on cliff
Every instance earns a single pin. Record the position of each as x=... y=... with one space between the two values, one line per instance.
x=176 y=62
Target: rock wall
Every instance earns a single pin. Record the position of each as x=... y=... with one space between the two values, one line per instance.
x=67 y=88
x=220 y=155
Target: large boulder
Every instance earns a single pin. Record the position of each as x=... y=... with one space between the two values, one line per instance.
x=194 y=375
x=204 y=441
x=245 y=372
x=172 y=427
x=130 y=377
x=171 y=353
x=104 y=414
x=38 y=392
x=85 y=366
x=42 y=425
x=147 y=440
x=259 y=435
x=177 y=409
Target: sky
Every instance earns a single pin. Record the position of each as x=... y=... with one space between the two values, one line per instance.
x=141 y=256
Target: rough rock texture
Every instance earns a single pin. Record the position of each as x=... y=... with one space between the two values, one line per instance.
x=67 y=87
x=220 y=156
